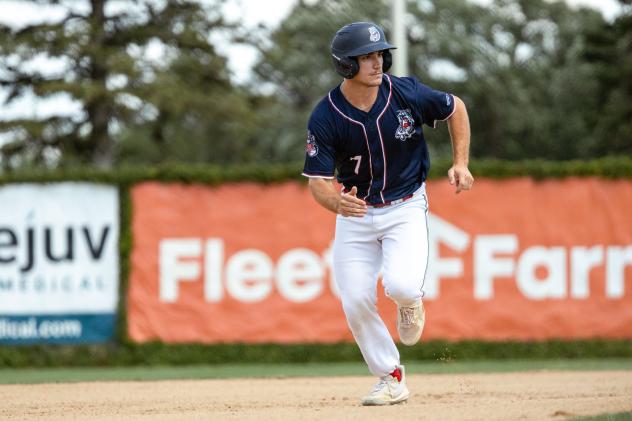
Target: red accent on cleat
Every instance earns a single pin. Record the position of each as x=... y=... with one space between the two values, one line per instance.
x=396 y=374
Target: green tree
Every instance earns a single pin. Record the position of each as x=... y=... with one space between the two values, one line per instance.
x=133 y=107
x=519 y=69
x=609 y=50
x=517 y=64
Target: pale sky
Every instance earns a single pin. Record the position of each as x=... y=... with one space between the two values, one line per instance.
x=241 y=58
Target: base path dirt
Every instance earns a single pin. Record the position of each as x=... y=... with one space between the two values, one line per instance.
x=506 y=396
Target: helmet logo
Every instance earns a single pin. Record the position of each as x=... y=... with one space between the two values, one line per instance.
x=374 y=34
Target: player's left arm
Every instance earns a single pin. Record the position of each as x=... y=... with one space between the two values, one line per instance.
x=459 y=126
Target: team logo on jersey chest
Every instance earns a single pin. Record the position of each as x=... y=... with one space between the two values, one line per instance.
x=311 y=148
x=406 y=126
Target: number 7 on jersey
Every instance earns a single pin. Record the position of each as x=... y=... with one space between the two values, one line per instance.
x=359 y=159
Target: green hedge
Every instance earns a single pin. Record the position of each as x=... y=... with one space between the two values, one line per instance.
x=129 y=354
x=123 y=352
x=610 y=167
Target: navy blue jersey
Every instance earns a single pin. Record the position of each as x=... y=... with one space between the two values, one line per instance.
x=382 y=152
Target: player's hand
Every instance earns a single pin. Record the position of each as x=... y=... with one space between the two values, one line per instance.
x=460 y=177
x=350 y=205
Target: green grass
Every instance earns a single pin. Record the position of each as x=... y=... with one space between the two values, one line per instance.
x=46 y=375
x=620 y=416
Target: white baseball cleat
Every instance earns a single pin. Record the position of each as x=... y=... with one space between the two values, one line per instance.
x=391 y=389
x=410 y=322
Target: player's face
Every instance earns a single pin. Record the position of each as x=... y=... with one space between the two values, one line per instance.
x=370 y=73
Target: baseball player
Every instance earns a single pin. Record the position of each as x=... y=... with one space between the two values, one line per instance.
x=368 y=132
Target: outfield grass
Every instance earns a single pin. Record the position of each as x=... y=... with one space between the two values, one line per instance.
x=620 y=416
x=47 y=375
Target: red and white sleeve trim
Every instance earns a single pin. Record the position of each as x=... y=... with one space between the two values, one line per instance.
x=328 y=177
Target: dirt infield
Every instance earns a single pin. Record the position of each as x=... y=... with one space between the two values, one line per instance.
x=507 y=396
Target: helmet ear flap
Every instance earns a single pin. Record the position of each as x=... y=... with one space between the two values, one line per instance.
x=387 y=60
x=346 y=67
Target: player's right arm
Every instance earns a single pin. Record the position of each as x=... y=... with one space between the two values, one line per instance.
x=345 y=204
x=320 y=157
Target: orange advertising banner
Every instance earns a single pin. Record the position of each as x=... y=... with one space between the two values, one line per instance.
x=512 y=259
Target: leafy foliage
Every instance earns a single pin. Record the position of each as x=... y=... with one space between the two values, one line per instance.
x=520 y=71
x=541 y=80
x=132 y=106
x=126 y=175
x=609 y=50
x=518 y=65
x=156 y=353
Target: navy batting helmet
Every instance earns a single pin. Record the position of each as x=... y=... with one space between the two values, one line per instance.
x=357 y=39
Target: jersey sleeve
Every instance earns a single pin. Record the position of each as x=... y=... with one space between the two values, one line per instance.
x=434 y=105
x=319 y=149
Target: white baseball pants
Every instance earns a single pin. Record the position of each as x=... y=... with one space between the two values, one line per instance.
x=392 y=238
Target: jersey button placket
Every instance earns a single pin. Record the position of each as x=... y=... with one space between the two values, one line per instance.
x=378 y=164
